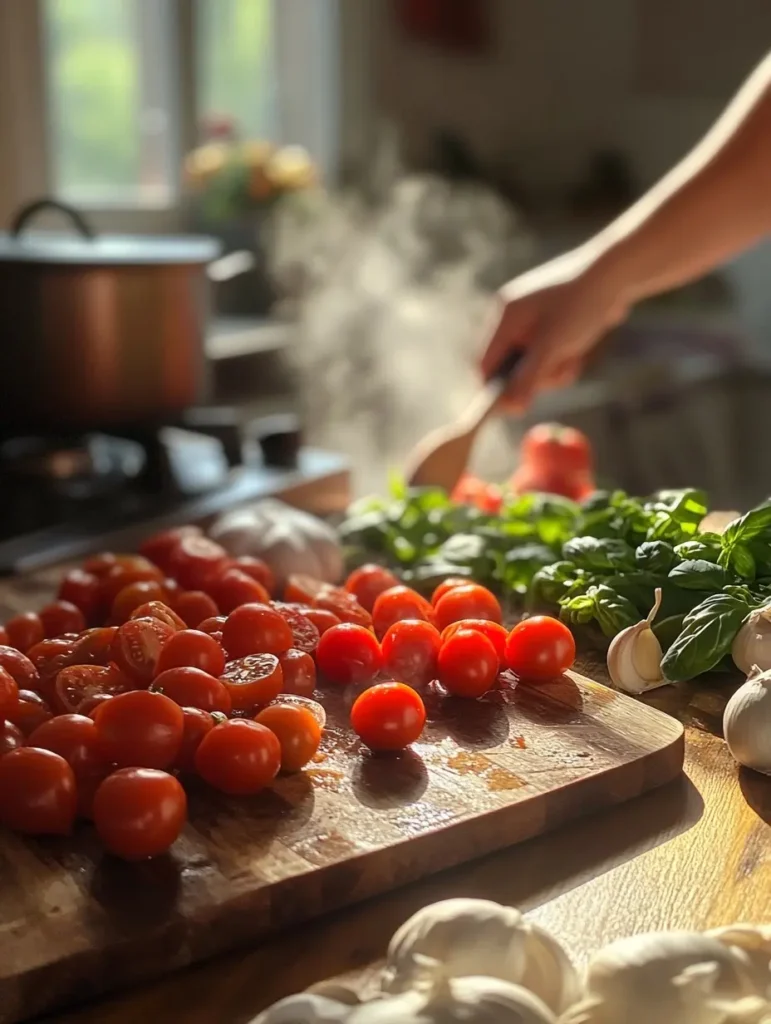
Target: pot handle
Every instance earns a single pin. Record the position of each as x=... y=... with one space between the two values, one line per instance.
x=26 y=214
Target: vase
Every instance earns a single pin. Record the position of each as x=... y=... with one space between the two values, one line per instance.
x=250 y=294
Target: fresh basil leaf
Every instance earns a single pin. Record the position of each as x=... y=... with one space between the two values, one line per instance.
x=655 y=556
x=612 y=611
x=742 y=561
x=667 y=630
x=519 y=565
x=704 y=545
x=397 y=485
x=549 y=583
x=602 y=554
x=753 y=524
x=707 y=634
x=698 y=574
x=687 y=507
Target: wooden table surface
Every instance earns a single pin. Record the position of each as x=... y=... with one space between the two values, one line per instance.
x=694 y=854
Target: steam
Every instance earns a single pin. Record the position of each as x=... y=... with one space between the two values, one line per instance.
x=393 y=296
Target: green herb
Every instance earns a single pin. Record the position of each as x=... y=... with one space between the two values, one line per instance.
x=655 y=556
x=707 y=634
x=698 y=574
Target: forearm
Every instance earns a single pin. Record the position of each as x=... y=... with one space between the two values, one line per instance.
x=714 y=204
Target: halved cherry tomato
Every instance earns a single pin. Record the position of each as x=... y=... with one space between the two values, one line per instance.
x=305 y=636
x=62 y=617
x=239 y=757
x=254 y=680
x=24 y=631
x=213 y=626
x=161 y=611
x=468 y=664
x=399 y=603
x=410 y=651
x=449 y=584
x=84 y=590
x=297 y=731
x=256 y=629
x=140 y=729
x=126 y=572
x=343 y=605
x=195 y=559
x=194 y=648
x=494 y=631
x=38 y=795
x=231 y=588
x=192 y=687
x=20 y=668
x=302 y=589
x=321 y=618
x=99 y=565
x=159 y=547
x=469 y=602
x=11 y=737
x=258 y=570
x=9 y=693
x=368 y=582
x=540 y=648
x=94 y=646
x=388 y=716
x=133 y=596
x=195 y=607
x=137 y=647
x=197 y=724
x=76 y=684
x=30 y=711
x=299 y=671
x=349 y=654
x=74 y=738
x=139 y=812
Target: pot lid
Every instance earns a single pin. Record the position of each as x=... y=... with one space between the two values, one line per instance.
x=85 y=248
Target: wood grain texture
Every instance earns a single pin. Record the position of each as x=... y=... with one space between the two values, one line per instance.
x=486 y=775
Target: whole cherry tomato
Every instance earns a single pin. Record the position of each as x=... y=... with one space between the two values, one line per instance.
x=137 y=646
x=62 y=617
x=20 y=668
x=368 y=582
x=3 y=637
x=74 y=738
x=258 y=570
x=140 y=729
x=321 y=618
x=256 y=629
x=99 y=565
x=388 y=716
x=9 y=693
x=399 y=603
x=471 y=490
x=540 y=648
x=299 y=671
x=213 y=626
x=197 y=723
x=195 y=559
x=529 y=478
x=343 y=605
x=139 y=812
x=159 y=547
x=468 y=664
x=239 y=757
x=161 y=611
x=555 y=448
x=410 y=651
x=252 y=681
x=133 y=596
x=468 y=602
x=194 y=607
x=191 y=647
x=24 y=631
x=11 y=737
x=297 y=731
x=302 y=589
x=192 y=687
x=124 y=573
x=84 y=590
x=38 y=795
x=231 y=588
x=494 y=631
x=305 y=636
x=30 y=711
x=349 y=654
x=445 y=587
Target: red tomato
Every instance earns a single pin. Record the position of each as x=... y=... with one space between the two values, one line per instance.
x=449 y=584
x=38 y=795
x=134 y=596
x=239 y=757
x=213 y=627
x=299 y=671
x=24 y=631
x=90 y=705
x=470 y=490
x=197 y=724
x=99 y=565
x=9 y=693
x=159 y=547
x=468 y=664
x=302 y=589
x=305 y=636
x=124 y=573
x=557 y=448
x=388 y=716
x=72 y=737
x=137 y=646
x=349 y=654
x=410 y=651
x=94 y=646
x=195 y=559
x=140 y=729
x=469 y=602
x=84 y=590
x=192 y=687
x=194 y=607
x=11 y=737
x=399 y=603
x=575 y=486
x=194 y=648
x=254 y=680
x=258 y=570
x=30 y=711
x=231 y=588
x=321 y=618
x=494 y=631
x=297 y=731
x=160 y=611
x=3 y=637
x=139 y=813
x=368 y=582
x=256 y=629
x=62 y=617
x=540 y=648
x=343 y=605
x=20 y=668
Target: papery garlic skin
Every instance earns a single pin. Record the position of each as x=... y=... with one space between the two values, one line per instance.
x=635 y=656
x=305 y=1008
x=752 y=644
x=479 y=937
x=747 y=723
x=753 y=943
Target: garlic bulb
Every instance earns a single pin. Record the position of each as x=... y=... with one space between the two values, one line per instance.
x=336 y=991
x=635 y=656
x=753 y=943
x=752 y=644
x=305 y=1008
x=480 y=937
x=747 y=722
x=677 y=977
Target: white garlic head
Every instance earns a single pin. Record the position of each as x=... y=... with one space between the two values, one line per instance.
x=752 y=944
x=480 y=937
x=752 y=644
x=635 y=656
x=305 y=1008
x=747 y=722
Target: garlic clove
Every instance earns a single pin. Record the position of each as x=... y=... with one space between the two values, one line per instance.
x=305 y=1008
x=747 y=723
x=635 y=656
x=549 y=973
x=753 y=944
x=752 y=644
x=335 y=991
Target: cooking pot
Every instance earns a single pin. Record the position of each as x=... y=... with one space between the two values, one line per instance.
x=98 y=331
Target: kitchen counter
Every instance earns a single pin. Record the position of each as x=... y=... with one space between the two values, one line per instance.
x=695 y=854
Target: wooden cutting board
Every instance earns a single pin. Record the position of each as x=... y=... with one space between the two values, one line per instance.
x=75 y=923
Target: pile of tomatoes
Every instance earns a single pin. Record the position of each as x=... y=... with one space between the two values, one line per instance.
x=179 y=661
